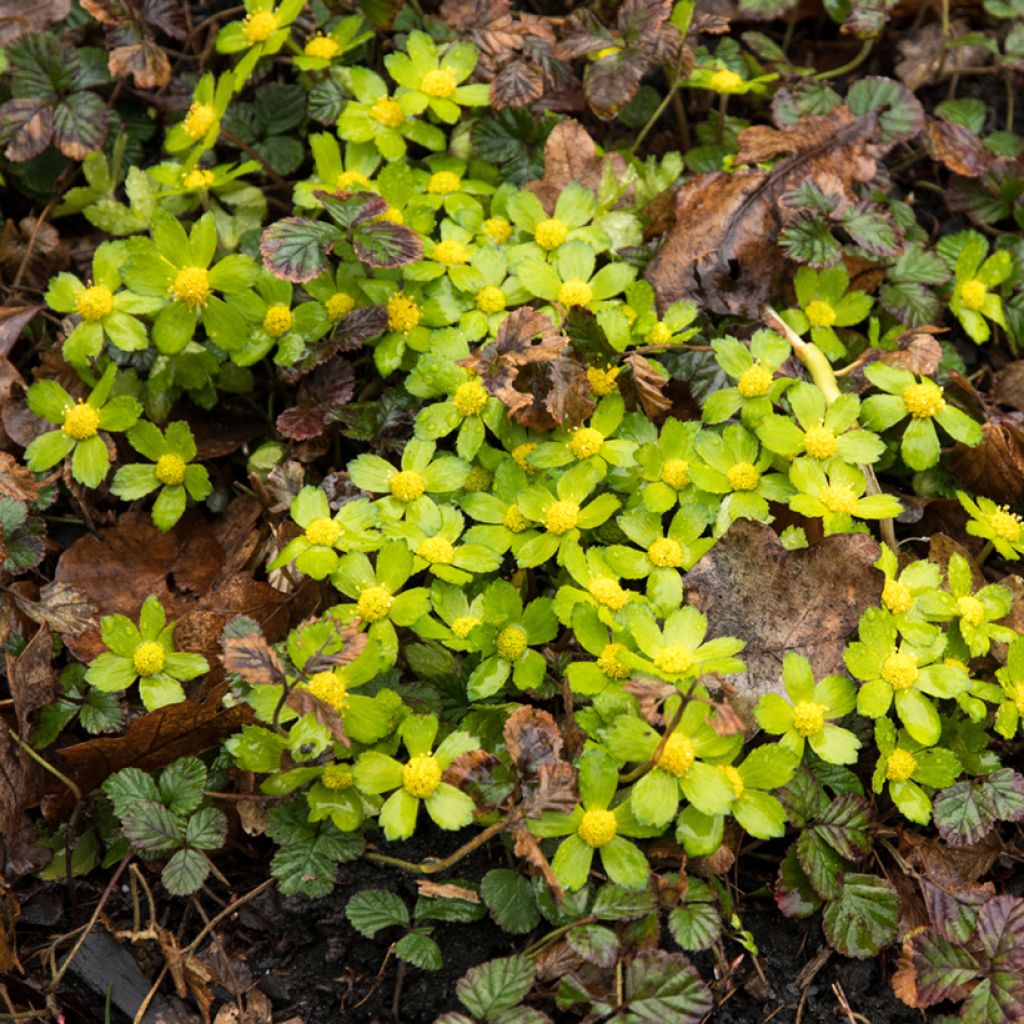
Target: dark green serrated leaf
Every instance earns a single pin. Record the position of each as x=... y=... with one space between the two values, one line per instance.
x=128 y=786
x=373 y=909
x=206 y=829
x=181 y=784
x=387 y=245
x=151 y=828
x=966 y=812
x=863 y=920
x=665 y=988
x=509 y=897
x=794 y=894
x=420 y=950
x=185 y=872
x=595 y=943
x=495 y=986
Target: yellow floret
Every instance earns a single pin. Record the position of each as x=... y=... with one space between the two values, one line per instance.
x=820 y=443
x=439 y=83
x=511 y=642
x=585 y=442
x=551 y=233
x=677 y=755
x=464 y=625
x=1017 y=696
x=451 y=253
x=838 y=498
x=676 y=473
x=407 y=485
x=170 y=469
x=514 y=520
x=480 y=479
x=81 y=421
x=598 y=828
x=321 y=47
x=470 y=397
x=971 y=610
x=374 y=603
x=611 y=664
x=809 y=717
x=444 y=183
x=603 y=382
x=200 y=118
x=521 y=453
x=339 y=304
x=575 y=293
x=337 y=776
x=277 y=321
x=199 y=177
x=95 y=302
x=896 y=596
x=324 y=531
x=659 y=334
x=899 y=670
x=490 y=299
x=744 y=476
x=900 y=765
x=393 y=215
x=674 y=659
x=755 y=382
x=820 y=313
x=191 y=286
x=403 y=313
x=149 y=658
x=345 y=180
x=561 y=517
x=421 y=776
x=923 y=400
x=1005 y=524
x=733 y=777
x=609 y=592
x=666 y=553
x=725 y=81
x=260 y=26
x=498 y=229
x=330 y=688
x=436 y=550
x=387 y=112
x=973 y=294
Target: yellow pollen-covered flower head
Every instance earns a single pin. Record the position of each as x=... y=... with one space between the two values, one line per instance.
x=200 y=118
x=463 y=625
x=575 y=292
x=421 y=776
x=95 y=302
x=609 y=592
x=561 y=517
x=436 y=550
x=330 y=688
x=451 y=253
x=339 y=304
x=1005 y=524
x=337 y=776
x=393 y=215
x=551 y=233
x=820 y=443
x=674 y=659
x=900 y=765
x=733 y=777
x=480 y=479
x=743 y=476
x=387 y=112
x=598 y=828
x=498 y=229
x=971 y=610
x=324 y=531
x=676 y=473
x=149 y=658
x=470 y=398
x=755 y=382
x=521 y=453
x=973 y=294
x=514 y=520
x=899 y=670
x=809 y=717
x=659 y=334
x=444 y=183
x=170 y=469
x=1017 y=696
x=351 y=180
x=585 y=442
x=677 y=754
x=611 y=664
x=838 y=498
x=603 y=382
x=277 y=321
x=725 y=81
x=321 y=47
x=260 y=26
x=511 y=642
x=407 y=485
x=896 y=596
x=820 y=313
x=923 y=400
x=374 y=603
x=403 y=313
x=666 y=553
x=191 y=286
x=81 y=421
x=199 y=177
x=439 y=83
x=491 y=299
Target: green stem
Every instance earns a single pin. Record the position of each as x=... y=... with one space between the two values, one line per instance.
x=983 y=554
x=551 y=936
x=653 y=119
x=43 y=763
x=432 y=867
x=850 y=65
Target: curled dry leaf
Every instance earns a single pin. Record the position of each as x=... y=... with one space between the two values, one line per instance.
x=32 y=679
x=21 y=784
x=958 y=148
x=808 y=600
x=648 y=385
x=527 y=368
x=445 y=891
x=16 y=481
x=63 y=608
x=533 y=740
x=995 y=468
x=302 y=702
x=13 y=320
x=721 y=250
x=252 y=658
x=919 y=353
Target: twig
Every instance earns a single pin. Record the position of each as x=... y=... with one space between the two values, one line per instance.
x=431 y=867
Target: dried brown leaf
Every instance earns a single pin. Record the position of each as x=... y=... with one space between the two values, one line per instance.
x=650 y=695
x=253 y=659
x=10 y=911
x=1008 y=386
x=808 y=600
x=32 y=679
x=21 y=17
x=20 y=787
x=16 y=481
x=145 y=61
x=527 y=846
x=995 y=468
x=927 y=49
x=555 y=790
x=63 y=608
x=302 y=702
x=517 y=84
x=533 y=740
x=958 y=148
x=648 y=384
x=919 y=353
x=445 y=891
x=13 y=320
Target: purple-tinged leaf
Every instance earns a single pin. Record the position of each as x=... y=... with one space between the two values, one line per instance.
x=383 y=244
x=862 y=921
x=942 y=968
x=295 y=248
x=794 y=893
x=966 y=812
x=349 y=209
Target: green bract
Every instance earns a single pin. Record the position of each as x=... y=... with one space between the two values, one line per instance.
x=145 y=653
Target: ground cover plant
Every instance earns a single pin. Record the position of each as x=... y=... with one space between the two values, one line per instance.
x=511 y=514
